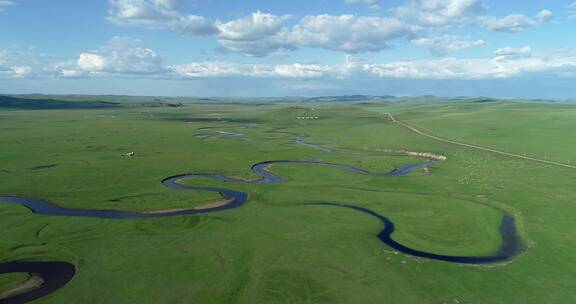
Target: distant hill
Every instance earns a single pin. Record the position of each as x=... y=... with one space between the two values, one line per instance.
x=40 y=101
x=348 y=98
x=11 y=102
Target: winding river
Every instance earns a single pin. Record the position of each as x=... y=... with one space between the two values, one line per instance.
x=58 y=274
x=54 y=275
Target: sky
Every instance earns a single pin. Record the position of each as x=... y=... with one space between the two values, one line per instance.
x=257 y=48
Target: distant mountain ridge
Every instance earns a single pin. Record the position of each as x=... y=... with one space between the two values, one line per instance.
x=10 y=102
x=345 y=98
x=40 y=101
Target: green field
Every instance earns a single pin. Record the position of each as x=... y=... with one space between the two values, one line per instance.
x=274 y=249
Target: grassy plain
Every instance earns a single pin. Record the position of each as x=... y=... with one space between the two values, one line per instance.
x=275 y=249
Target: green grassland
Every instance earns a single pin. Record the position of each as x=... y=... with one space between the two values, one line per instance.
x=276 y=249
x=11 y=280
x=540 y=130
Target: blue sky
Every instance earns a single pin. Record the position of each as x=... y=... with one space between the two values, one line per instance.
x=513 y=48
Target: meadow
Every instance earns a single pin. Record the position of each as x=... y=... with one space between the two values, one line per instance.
x=277 y=249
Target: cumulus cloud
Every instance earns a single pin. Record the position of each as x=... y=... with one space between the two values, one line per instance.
x=367 y=2
x=4 y=3
x=451 y=68
x=260 y=34
x=21 y=71
x=120 y=56
x=445 y=44
x=257 y=34
x=253 y=27
x=125 y=57
x=15 y=71
x=507 y=53
x=544 y=16
x=145 y=13
x=507 y=63
x=440 y=13
x=372 y=4
x=259 y=47
x=24 y=63
x=348 y=33
x=572 y=10
x=91 y=62
x=212 y=69
x=158 y=14
x=226 y=69
x=515 y=23
x=444 y=13
x=511 y=23
x=298 y=70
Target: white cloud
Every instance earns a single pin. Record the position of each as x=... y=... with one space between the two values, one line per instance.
x=146 y=13
x=21 y=71
x=451 y=68
x=120 y=56
x=126 y=57
x=447 y=68
x=348 y=33
x=4 y=3
x=515 y=23
x=20 y=63
x=445 y=44
x=444 y=13
x=257 y=34
x=372 y=4
x=256 y=26
x=440 y=13
x=66 y=73
x=544 y=16
x=15 y=72
x=367 y=2
x=572 y=10
x=511 y=23
x=513 y=53
x=194 y=25
x=158 y=14
x=226 y=69
x=211 y=69
x=91 y=62
x=259 y=47
x=298 y=70
x=169 y=4
x=260 y=34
